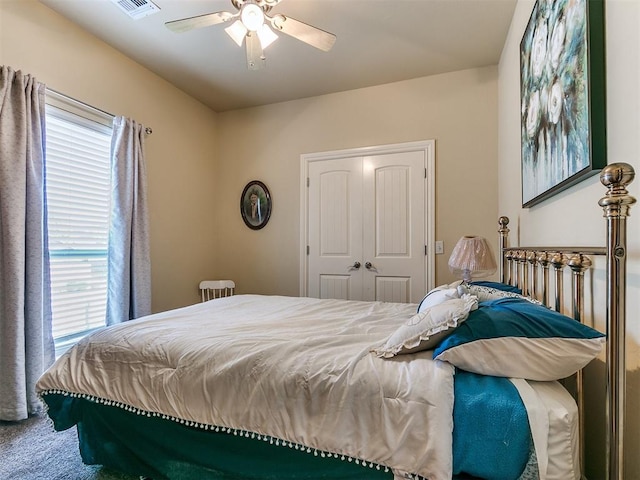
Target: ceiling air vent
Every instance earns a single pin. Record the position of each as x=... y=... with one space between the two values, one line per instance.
x=137 y=8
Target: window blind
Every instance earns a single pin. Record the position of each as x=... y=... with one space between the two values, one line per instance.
x=78 y=183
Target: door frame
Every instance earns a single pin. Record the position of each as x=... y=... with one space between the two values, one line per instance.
x=426 y=146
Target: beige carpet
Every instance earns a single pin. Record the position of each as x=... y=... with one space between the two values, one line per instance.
x=33 y=450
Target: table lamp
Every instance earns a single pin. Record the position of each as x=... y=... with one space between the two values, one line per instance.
x=472 y=258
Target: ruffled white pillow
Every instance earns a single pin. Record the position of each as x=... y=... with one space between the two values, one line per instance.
x=426 y=329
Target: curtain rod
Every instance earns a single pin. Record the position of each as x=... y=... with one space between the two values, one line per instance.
x=147 y=130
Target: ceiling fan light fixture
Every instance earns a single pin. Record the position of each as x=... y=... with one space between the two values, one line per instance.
x=252 y=17
x=266 y=36
x=252 y=26
x=237 y=31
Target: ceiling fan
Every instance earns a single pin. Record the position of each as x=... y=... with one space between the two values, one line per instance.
x=252 y=25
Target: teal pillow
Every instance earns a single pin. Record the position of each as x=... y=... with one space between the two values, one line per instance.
x=510 y=337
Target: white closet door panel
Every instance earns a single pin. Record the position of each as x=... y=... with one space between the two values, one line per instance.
x=335 y=286
x=394 y=225
x=335 y=228
x=393 y=289
x=392 y=208
x=335 y=201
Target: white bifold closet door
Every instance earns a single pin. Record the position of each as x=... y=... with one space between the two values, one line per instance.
x=366 y=224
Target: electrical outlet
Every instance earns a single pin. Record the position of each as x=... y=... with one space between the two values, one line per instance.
x=439 y=247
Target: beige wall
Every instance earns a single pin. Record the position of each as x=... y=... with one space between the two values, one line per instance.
x=573 y=217
x=458 y=110
x=180 y=152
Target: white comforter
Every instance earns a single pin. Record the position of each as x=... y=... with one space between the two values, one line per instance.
x=297 y=369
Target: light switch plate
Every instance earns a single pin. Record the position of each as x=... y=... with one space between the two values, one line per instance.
x=439 y=247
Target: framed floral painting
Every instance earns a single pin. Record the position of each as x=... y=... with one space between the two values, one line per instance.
x=562 y=96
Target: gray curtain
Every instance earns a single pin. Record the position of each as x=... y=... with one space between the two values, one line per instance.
x=129 y=270
x=26 y=341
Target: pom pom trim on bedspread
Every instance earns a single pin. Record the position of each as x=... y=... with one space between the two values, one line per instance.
x=229 y=430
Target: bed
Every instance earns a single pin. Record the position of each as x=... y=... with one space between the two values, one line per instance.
x=269 y=387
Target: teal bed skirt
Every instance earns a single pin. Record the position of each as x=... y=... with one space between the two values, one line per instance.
x=491 y=440
x=160 y=449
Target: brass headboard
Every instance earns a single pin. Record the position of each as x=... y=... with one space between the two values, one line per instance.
x=528 y=269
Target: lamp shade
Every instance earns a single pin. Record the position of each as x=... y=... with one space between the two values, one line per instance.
x=472 y=258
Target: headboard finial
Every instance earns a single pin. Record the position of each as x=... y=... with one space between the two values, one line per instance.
x=504 y=235
x=616 y=177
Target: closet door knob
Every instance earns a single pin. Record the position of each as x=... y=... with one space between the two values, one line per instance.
x=356 y=265
x=368 y=265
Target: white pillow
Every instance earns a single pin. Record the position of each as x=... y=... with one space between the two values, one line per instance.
x=440 y=294
x=426 y=329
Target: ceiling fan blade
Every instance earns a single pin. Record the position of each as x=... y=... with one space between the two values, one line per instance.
x=304 y=32
x=255 y=55
x=199 y=21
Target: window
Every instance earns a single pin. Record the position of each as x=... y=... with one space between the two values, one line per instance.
x=78 y=182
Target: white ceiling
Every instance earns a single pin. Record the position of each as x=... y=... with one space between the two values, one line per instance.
x=378 y=42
